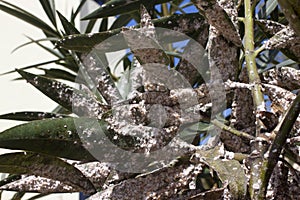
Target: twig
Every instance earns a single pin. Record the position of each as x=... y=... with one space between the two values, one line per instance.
x=232 y=130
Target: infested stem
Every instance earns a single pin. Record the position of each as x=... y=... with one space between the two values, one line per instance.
x=232 y=130
x=282 y=131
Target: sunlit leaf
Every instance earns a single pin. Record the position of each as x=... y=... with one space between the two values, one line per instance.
x=271 y=5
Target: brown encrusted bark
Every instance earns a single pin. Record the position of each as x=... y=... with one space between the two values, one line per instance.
x=167 y=183
x=216 y=16
x=279 y=186
x=223 y=55
x=285 y=77
x=281 y=100
x=285 y=40
x=242 y=117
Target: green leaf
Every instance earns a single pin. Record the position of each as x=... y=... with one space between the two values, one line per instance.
x=38 y=196
x=18 y=195
x=56 y=137
x=45 y=166
x=49 y=8
x=30 y=116
x=229 y=171
x=68 y=26
x=103 y=25
x=27 y=17
x=9 y=179
x=86 y=42
x=50 y=50
x=65 y=95
x=74 y=15
x=59 y=74
x=33 y=66
x=34 y=41
x=121 y=21
x=90 y=25
x=271 y=5
x=117 y=7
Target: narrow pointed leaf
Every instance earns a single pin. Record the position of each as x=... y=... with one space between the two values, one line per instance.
x=86 y=42
x=9 y=179
x=121 y=21
x=50 y=50
x=38 y=184
x=34 y=41
x=33 y=66
x=271 y=5
x=59 y=74
x=103 y=25
x=49 y=10
x=27 y=17
x=30 y=116
x=74 y=15
x=117 y=7
x=90 y=26
x=230 y=171
x=83 y=104
x=56 y=137
x=45 y=166
x=68 y=26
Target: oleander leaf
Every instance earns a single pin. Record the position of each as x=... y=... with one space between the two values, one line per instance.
x=83 y=104
x=86 y=42
x=27 y=17
x=117 y=7
x=30 y=116
x=56 y=137
x=230 y=171
x=45 y=166
x=68 y=26
x=59 y=74
x=49 y=8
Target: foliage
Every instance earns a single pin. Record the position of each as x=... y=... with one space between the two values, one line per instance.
x=253 y=44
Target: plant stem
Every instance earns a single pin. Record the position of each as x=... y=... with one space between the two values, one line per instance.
x=232 y=130
x=250 y=56
x=282 y=131
x=257 y=168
